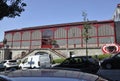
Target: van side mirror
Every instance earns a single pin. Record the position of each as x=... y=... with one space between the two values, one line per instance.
x=23 y=62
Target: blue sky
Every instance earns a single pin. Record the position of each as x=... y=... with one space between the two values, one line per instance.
x=48 y=12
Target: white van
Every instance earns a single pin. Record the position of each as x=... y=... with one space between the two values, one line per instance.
x=36 y=61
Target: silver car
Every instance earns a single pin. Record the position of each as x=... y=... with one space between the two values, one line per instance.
x=50 y=75
x=9 y=64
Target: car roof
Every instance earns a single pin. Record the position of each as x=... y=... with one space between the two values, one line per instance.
x=53 y=73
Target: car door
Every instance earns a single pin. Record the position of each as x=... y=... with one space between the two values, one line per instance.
x=65 y=63
x=116 y=61
x=25 y=63
x=80 y=64
x=73 y=62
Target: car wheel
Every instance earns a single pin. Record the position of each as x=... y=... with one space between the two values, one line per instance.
x=20 y=67
x=108 y=66
x=12 y=69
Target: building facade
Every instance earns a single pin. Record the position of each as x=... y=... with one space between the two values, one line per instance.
x=69 y=35
x=116 y=15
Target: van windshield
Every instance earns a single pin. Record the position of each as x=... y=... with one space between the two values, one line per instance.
x=44 y=58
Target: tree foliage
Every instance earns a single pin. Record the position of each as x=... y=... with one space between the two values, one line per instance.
x=86 y=27
x=11 y=8
x=4 y=41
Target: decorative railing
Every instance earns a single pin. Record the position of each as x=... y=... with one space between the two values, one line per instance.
x=59 y=53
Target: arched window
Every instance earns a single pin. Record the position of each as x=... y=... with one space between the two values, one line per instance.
x=105 y=30
x=26 y=35
x=36 y=34
x=47 y=37
x=8 y=36
x=16 y=36
x=36 y=39
x=92 y=31
x=60 y=33
x=74 y=32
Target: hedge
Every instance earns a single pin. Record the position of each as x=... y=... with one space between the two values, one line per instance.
x=58 y=60
x=100 y=57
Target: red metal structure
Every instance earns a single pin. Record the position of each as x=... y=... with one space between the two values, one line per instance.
x=67 y=35
x=1 y=45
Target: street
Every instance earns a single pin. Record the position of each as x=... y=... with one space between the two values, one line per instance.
x=110 y=74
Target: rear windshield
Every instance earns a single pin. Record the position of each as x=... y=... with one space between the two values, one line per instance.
x=12 y=61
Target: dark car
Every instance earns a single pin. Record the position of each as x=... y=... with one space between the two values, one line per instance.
x=111 y=62
x=82 y=63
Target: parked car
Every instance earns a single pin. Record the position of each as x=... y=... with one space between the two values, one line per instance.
x=9 y=64
x=36 y=61
x=50 y=75
x=112 y=62
x=2 y=67
x=82 y=63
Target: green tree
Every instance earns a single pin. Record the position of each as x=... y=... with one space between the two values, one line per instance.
x=4 y=41
x=11 y=8
x=86 y=27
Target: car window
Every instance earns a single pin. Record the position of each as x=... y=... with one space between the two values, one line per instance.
x=73 y=61
x=84 y=59
x=117 y=56
x=77 y=60
x=25 y=60
x=3 y=62
x=67 y=61
x=12 y=61
x=92 y=60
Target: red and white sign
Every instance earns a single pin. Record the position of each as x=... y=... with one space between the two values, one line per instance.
x=111 y=48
